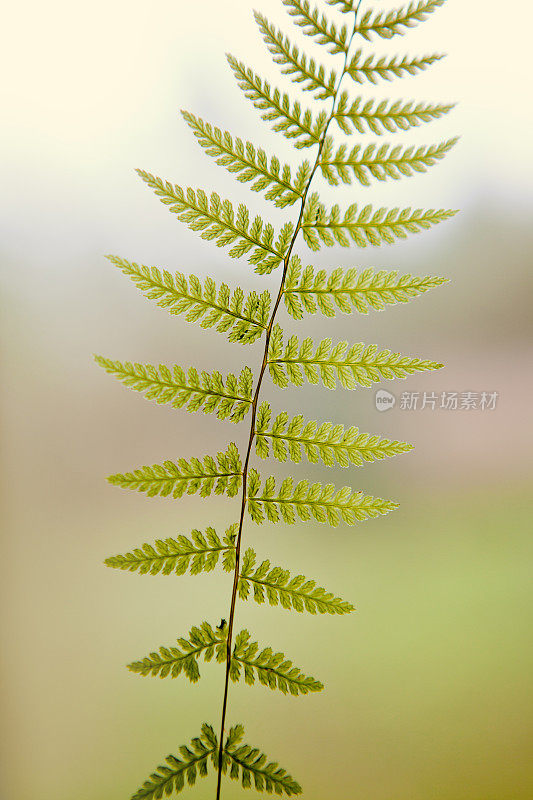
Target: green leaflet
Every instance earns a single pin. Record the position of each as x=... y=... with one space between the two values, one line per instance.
x=385 y=115
x=318 y=26
x=289 y=118
x=217 y=221
x=172 y=661
x=242 y=317
x=192 y=764
x=371 y=68
x=200 y=553
x=380 y=163
x=221 y=476
x=352 y=366
x=207 y=391
x=322 y=502
x=366 y=226
x=331 y=444
x=251 y=164
x=250 y=764
x=387 y=24
x=347 y=291
x=301 y=68
x=276 y=585
x=271 y=669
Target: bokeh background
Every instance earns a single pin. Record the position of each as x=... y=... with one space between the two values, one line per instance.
x=429 y=684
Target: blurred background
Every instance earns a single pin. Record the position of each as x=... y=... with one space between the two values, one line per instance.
x=428 y=686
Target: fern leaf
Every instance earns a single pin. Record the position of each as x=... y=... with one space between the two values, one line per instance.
x=200 y=553
x=242 y=317
x=385 y=115
x=172 y=661
x=275 y=585
x=231 y=399
x=387 y=24
x=223 y=475
x=364 y=227
x=302 y=69
x=242 y=159
x=381 y=163
x=217 y=221
x=332 y=444
x=290 y=119
x=271 y=669
x=192 y=764
x=323 y=502
x=352 y=366
x=318 y=26
x=249 y=763
x=349 y=291
x=371 y=68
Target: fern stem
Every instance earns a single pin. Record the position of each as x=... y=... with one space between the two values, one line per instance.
x=252 y=434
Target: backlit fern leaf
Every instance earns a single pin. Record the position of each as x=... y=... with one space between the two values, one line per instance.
x=323 y=502
x=271 y=669
x=221 y=476
x=172 y=661
x=192 y=764
x=217 y=221
x=332 y=444
x=301 y=68
x=364 y=227
x=251 y=164
x=380 y=163
x=242 y=317
x=363 y=67
x=289 y=118
x=250 y=765
x=199 y=553
x=275 y=585
x=231 y=399
x=387 y=24
x=317 y=25
x=385 y=115
x=352 y=366
x=347 y=291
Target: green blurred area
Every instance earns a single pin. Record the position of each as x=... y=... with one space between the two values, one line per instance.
x=428 y=684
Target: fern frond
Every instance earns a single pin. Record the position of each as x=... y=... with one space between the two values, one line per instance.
x=292 y=121
x=301 y=68
x=271 y=669
x=364 y=227
x=323 y=502
x=200 y=553
x=371 y=68
x=207 y=391
x=352 y=366
x=247 y=763
x=223 y=475
x=349 y=291
x=318 y=26
x=243 y=317
x=275 y=585
x=172 y=661
x=381 y=163
x=217 y=221
x=387 y=24
x=242 y=159
x=332 y=444
x=192 y=764
x=385 y=115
